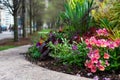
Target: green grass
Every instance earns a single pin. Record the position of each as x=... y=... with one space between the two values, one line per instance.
x=5 y=47
x=44 y=31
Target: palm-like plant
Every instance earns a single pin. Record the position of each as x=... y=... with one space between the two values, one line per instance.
x=77 y=14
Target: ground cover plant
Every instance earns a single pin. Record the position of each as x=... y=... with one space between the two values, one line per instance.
x=94 y=53
x=5 y=47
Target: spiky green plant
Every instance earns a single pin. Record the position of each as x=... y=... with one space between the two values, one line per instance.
x=115 y=14
x=77 y=14
x=115 y=31
x=109 y=18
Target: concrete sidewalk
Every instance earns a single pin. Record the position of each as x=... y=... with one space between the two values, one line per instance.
x=13 y=66
x=6 y=34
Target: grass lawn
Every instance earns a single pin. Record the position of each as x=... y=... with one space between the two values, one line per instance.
x=5 y=47
x=44 y=31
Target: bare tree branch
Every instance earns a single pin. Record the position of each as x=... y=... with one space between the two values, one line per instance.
x=12 y=5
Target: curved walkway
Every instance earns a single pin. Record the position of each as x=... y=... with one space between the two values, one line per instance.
x=13 y=66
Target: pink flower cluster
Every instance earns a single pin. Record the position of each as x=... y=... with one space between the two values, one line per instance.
x=102 y=43
x=102 y=32
x=98 y=59
x=95 y=63
x=117 y=41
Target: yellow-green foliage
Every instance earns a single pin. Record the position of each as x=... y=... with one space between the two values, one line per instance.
x=115 y=14
x=72 y=3
x=102 y=11
x=108 y=16
x=115 y=19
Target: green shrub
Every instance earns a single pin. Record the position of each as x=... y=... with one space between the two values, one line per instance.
x=68 y=55
x=114 y=59
x=34 y=52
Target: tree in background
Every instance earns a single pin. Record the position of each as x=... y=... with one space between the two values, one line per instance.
x=30 y=4
x=23 y=18
x=37 y=11
x=54 y=9
x=46 y=11
x=13 y=7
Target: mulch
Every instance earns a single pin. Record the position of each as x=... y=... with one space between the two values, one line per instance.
x=10 y=42
x=55 y=65
x=22 y=41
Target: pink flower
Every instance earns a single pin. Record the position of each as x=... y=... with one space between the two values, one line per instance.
x=117 y=41
x=90 y=55
x=87 y=41
x=106 y=56
x=106 y=62
x=93 y=69
x=113 y=45
x=91 y=66
x=102 y=32
x=98 y=43
x=103 y=43
x=92 y=41
x=89 y=47
x=99 y=63
x=94 y=60
x=96 y=54
x=96 y=51
x=101 y=67
x=88 y=64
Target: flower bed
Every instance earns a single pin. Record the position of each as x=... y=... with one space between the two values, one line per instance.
x=95 y=55
x=80 y=49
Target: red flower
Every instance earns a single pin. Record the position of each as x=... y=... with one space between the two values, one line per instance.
x=101 y=67
x=106 y=56
x=93 y=69
x=88 y=64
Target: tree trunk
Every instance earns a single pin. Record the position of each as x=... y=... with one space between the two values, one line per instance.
x=38 y=26
x=15 y=27
x=30 y=17
x=23 y=19
x=0 y=29
x=34 y=24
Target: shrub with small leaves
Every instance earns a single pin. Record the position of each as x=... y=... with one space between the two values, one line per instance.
x=70 y=54
x=34 y=52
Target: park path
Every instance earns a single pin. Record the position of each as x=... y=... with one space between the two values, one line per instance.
x=6 y=34
x=14 y=66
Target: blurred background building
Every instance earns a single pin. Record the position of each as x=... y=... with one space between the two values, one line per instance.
x=6 y=19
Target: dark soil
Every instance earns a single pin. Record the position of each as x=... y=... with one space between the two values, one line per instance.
x=55 y=65
x=22 y=41
x=10 y=42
